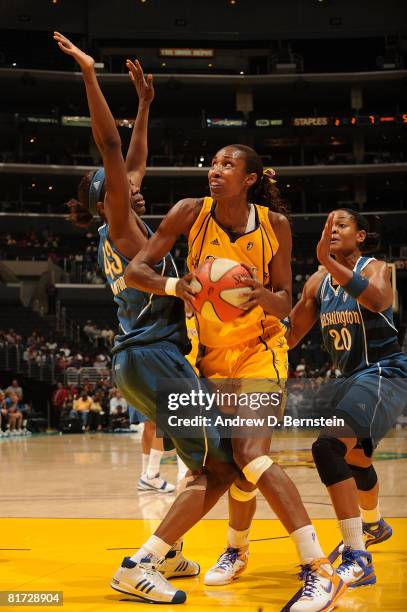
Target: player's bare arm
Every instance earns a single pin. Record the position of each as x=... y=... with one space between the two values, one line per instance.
x=136 y=158
x=304 y=315
x=377 y=295
x=277 y=301
x=140 y=272
x=107 y=138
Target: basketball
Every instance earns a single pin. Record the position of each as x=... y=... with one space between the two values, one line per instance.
x=219 y=285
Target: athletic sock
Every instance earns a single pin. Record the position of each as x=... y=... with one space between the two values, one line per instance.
x=155 y=548
x=144 y=463
x=182 y=469
x=352 y=533
x=306 y=542
x=238 y=539
x=153 y=467
x=371 y=516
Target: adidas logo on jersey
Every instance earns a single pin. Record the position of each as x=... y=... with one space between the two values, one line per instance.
x=215 y=242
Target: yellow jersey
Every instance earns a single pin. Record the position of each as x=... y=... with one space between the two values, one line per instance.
x=256 y=249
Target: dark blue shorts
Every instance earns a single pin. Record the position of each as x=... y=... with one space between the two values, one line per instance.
x=139 y=373
x=371 y=399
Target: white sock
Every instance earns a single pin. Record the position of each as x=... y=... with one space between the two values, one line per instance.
x=306 y=542
x=238 y=539
x=352 y=533
x=182 y=469
x=155 y=548
x=371 y=516
x=153 y=467
x=144 y=463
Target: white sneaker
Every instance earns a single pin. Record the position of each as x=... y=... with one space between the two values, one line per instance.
x=322 y=588
x=228 y=567
x=155 y=484
x=143 y=581
x=174 y=565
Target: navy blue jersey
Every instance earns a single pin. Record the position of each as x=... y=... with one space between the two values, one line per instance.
x=354 y=336
x=144 y=318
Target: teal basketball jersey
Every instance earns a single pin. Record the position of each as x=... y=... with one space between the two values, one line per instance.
x=144 y=318
x=354 y=336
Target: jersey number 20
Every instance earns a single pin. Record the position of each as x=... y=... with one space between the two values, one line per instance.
x=342 y=339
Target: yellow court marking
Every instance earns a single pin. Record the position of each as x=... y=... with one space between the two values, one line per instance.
x=79 y=556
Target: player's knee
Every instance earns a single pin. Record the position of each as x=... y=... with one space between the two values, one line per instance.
x=365 y=478
x=329 y=456
x=241 y=494
x=254 y=468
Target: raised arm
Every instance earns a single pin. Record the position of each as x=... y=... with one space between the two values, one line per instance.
x=106 y=136
x=304 y=315
x=140 y=272
x=136 y=159
x=372 y=289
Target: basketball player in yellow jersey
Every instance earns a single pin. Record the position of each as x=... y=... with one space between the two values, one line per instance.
x=253 y=346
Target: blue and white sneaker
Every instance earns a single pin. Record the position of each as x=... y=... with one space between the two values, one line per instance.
x=157 y=484
x=174 y=565
x=143 y=581
x=375 y=533
x=356 y=568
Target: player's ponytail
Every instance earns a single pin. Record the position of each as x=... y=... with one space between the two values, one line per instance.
x=80 y=214
x=372 y=241
x=264 y=191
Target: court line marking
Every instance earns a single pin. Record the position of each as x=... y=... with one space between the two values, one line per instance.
x=332 y=558
x=259 y=540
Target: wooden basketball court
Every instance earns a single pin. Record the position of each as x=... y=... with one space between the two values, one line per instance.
x=70 y=512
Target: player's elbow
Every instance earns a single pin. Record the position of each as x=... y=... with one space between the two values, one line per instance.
x=131 y=275
x=110 y=143
x=376 y=305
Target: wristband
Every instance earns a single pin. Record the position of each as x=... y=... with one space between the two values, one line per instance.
x=171 y=286
x=286 y=322
x=356 y=285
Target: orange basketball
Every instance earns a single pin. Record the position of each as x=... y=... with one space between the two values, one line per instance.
x=218 y=284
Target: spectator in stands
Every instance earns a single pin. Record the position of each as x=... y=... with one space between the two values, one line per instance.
x=82 y=406
x=117 y=403
x=107 y=336
x=91 y=332
x=58 y=399
x=15 y=417
x=15 y=388
x=301 y=369
x=96 y=412
x=3 y=414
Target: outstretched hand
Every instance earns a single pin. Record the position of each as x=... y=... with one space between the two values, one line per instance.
x=143 y=84
x=324 y=245
x=86 y=62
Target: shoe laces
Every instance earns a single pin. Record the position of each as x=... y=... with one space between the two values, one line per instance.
x=310 y=577
x=228 y=558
